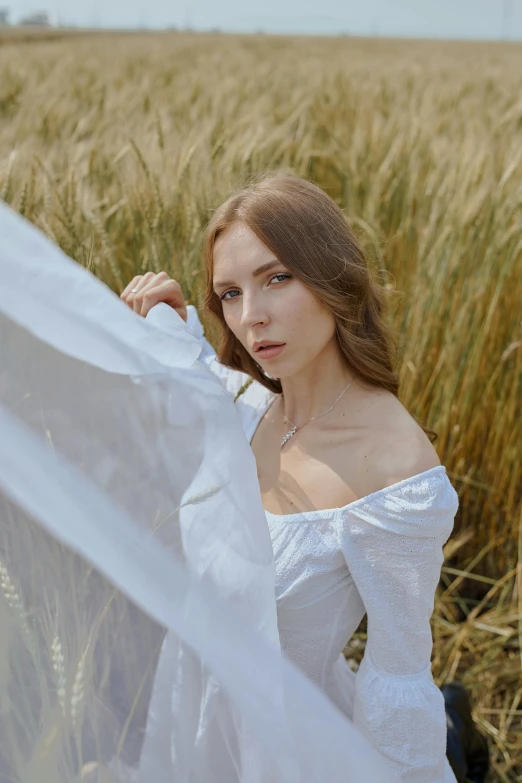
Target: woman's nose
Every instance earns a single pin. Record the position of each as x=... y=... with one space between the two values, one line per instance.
x=254 y=311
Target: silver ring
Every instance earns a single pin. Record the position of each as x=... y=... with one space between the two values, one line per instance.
x=134 y=290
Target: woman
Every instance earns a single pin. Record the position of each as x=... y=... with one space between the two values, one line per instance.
x=126 y=481
x=356 y=499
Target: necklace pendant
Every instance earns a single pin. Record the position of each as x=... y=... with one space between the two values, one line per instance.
x=288 y=436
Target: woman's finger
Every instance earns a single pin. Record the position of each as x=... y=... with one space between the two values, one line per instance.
x=134 y=283
x=168 y=291
x=145 y=284
x=137 y=295
x=145 y=291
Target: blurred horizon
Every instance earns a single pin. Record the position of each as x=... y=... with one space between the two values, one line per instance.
x=446 y=19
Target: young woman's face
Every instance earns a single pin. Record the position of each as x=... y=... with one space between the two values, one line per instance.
x=262 y=300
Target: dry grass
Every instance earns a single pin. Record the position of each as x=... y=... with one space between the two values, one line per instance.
x=119 y=148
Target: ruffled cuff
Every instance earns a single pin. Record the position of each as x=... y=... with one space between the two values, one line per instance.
x=231 y=380
x=403 y=716
x=173 y=345
x=195 y=327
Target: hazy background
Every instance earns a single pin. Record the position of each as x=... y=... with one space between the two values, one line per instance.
x=487 y=19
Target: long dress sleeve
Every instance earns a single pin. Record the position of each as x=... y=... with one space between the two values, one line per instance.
x=232 y=380
x=392 y=542
x=197 y=348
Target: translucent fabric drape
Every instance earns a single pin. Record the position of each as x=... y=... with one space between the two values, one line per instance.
x=137 y=606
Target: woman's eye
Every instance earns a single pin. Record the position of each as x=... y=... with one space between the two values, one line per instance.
x=281 y=274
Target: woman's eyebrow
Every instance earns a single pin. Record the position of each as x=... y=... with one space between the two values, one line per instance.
x=255 y=273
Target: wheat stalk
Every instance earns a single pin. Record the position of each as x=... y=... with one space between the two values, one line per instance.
x=57 y=659
x=13 y=599
x=78 y=686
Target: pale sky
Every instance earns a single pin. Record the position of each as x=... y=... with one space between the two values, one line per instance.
x=491 y=19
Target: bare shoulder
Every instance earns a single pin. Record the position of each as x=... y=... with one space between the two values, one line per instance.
x=399 y=448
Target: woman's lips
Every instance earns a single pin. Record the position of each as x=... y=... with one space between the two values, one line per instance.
x=271 y=351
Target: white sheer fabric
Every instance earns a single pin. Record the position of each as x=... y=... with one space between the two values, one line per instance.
x=381 y=555
x=131 y=519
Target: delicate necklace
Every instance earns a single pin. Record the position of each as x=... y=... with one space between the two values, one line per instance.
x=295 y=427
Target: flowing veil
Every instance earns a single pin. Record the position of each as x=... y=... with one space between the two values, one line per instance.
x=137 y=600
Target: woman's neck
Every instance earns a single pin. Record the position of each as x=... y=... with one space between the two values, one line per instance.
x=313 y=390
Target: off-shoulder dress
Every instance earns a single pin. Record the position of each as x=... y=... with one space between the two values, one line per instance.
x=380 y=555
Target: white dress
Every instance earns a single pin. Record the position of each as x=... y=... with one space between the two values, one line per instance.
x=379 y=555
x=123 y=448
x=126 y=480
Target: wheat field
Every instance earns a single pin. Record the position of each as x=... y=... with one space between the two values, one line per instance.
x=119 y=147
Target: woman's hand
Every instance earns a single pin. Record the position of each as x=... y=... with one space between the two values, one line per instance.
x=145 y=291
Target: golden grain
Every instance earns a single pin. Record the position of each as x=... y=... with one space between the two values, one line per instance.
x=119 y=148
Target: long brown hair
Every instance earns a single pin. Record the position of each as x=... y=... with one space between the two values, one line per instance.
x=309 y=234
